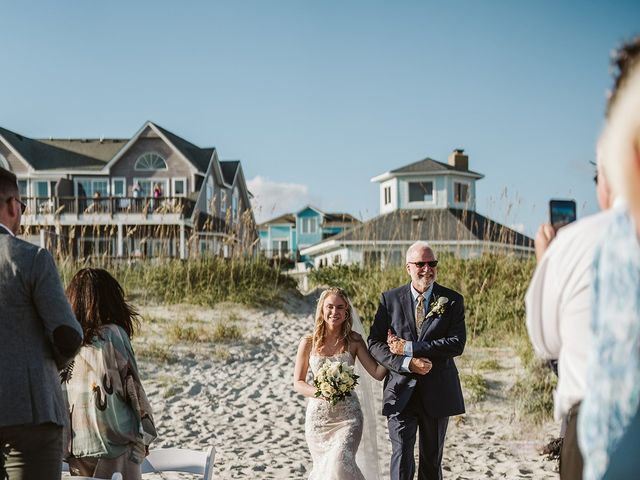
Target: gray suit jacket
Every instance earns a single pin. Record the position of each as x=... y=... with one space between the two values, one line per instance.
x=32 y=307
x=442 y=337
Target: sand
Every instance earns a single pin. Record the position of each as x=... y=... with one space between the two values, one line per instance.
x=238 y=397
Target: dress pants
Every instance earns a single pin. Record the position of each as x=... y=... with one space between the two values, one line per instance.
x=31 y=452
x=402 y=432
x=570 y=457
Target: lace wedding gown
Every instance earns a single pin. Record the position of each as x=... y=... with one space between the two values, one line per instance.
x=333 y=432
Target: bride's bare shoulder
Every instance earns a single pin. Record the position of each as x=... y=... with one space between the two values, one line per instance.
x=306 y=343
x=356 y=337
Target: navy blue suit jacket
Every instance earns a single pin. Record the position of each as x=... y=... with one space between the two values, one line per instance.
x=442 y=337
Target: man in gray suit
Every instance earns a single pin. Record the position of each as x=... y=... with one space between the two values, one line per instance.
x=417 y=331
x=38 y=335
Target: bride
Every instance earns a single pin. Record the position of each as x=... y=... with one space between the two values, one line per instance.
x=333 y=432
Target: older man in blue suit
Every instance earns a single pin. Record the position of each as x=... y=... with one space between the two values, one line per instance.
x=38 y=335
x=417 y=331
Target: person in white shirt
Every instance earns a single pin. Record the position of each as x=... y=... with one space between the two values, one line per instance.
x=558 y=304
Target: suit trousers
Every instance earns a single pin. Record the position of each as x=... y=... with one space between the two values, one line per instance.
x=402 y=432
x=31 y=452
x=571 y=463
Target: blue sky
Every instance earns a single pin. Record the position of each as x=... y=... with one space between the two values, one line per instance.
x=316 y=98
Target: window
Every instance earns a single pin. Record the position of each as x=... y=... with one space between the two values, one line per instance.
x=309 y=225
x=461 y=192
x=179 y=187
x=3 y=162
x=387 y=195
x=150 y=161
x=210 y=191
x=42 y=189
x=234 y=205
x=118 y=187
x=223 y=202
x=420 y=191
x=148 y=184
x=87 y=187
x=280 y=247
x=22 y=187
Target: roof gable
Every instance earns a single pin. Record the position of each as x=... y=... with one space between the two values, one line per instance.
x=229 y=170
x=309 y=208
x=198 y=157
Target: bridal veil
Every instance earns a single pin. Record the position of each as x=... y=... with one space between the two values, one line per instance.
x=367 y=456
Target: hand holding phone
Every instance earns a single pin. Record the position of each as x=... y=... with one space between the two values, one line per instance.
x=561 y=212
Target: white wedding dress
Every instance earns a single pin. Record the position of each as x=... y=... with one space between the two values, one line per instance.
x=333 y=432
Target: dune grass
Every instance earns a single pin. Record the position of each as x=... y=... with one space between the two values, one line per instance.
x=204 y=281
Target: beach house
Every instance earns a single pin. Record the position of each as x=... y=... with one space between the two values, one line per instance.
x=425 y=200
x=154 y=194
x=285 y=235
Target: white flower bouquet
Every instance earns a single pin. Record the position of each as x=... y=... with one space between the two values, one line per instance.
x=335 y=381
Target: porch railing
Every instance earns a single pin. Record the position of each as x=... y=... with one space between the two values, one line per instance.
x=108 y=205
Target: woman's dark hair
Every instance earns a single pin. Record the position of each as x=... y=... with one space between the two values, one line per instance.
x=97 y=299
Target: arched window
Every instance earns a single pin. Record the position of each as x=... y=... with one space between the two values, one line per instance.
x=150 y=161
x=3 y=162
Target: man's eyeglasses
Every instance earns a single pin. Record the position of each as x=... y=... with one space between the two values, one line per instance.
x=432 y=264
x=23 y=206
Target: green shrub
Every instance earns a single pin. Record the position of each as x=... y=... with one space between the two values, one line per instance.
x=493 y=287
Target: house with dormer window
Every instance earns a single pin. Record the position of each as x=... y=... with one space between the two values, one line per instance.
x=154 y=194
x=285 y=235
x=425 y=200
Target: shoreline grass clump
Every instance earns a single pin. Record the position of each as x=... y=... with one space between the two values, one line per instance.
x=202 y=281
x=493 y=287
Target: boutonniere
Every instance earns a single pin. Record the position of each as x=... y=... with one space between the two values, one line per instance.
x=437 y=307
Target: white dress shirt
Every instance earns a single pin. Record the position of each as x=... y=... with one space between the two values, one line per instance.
x=559 y=308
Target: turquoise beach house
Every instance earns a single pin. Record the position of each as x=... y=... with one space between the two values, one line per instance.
x=286 y=235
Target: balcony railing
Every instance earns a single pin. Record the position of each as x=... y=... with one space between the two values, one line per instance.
x=108 y=205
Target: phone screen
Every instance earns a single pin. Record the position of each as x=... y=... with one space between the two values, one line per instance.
x=561 y=212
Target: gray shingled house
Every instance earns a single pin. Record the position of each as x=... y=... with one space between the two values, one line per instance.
x=154 y=194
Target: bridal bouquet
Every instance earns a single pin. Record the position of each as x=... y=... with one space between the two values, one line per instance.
x=335 y=381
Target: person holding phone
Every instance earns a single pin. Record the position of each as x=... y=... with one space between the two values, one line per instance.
x=612 y=395
x=558 y=305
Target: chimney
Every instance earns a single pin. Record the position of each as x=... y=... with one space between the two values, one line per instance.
x=459 y=160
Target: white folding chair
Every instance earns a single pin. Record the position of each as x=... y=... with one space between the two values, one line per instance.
x=180 y=460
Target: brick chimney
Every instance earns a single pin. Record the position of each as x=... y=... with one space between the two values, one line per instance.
x=459 y=160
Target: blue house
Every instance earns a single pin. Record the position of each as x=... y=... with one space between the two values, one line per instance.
x=425 y=200
x=286 y=235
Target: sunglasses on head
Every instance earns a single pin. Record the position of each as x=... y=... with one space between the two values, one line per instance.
x=432 y=264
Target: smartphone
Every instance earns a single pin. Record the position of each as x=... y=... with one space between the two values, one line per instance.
x=561 y=212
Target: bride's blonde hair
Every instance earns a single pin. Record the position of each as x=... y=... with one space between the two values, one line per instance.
x=319 y=328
